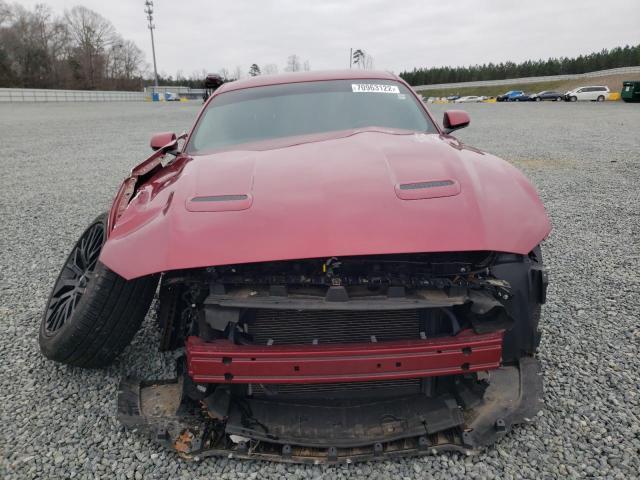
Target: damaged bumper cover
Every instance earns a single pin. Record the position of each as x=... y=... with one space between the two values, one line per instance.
x=221 y=424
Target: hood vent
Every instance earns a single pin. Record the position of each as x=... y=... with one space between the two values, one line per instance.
x=427 y=189
x=415 y=186
x=219 y=203
x=219 y=198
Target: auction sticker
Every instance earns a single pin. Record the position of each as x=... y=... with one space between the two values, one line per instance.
x=374 y=88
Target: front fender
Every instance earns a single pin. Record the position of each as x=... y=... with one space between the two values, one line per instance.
x=132 y=183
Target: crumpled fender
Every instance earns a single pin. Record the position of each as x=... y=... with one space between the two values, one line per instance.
x=130 y=185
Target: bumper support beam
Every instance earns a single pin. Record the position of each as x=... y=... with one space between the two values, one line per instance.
x=221 y=361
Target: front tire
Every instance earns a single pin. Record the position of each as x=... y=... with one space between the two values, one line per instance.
x=573 y=99
x=92 y=313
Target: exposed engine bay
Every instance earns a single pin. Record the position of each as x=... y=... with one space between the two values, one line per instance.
x=344 y=359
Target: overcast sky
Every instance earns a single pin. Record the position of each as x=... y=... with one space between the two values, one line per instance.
x=192 y=35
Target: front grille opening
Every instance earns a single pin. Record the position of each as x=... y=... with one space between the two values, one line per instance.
x=290 y=327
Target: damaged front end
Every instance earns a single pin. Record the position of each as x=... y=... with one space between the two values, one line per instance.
x=342 y=360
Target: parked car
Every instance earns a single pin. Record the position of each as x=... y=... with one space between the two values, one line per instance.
x=595 y=94
x=630 y=91
x=347 y=282
x=547 y=95
x=505 y=97
x=468 y=99
x=171 y=97
x=452 y=98
x=524 y=97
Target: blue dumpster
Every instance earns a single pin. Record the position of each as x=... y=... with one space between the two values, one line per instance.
x=155 y=96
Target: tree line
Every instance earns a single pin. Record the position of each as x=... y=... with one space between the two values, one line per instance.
x=196 y=80
x=77 y=50
x=616 y=57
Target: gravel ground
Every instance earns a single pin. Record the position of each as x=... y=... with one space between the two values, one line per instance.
x=62 y=163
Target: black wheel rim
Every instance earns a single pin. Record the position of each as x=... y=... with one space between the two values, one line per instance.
x=74 y=278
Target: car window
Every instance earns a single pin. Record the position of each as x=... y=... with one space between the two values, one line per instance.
x=278 y=111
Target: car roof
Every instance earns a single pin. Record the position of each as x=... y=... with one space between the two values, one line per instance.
x=263 y=80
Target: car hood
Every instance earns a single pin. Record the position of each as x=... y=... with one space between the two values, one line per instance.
x=366 y=193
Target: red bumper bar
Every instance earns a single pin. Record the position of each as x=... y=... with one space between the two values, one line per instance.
x=220 y=361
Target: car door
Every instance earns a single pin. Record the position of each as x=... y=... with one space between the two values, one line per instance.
x=592 y=93
x=599 y=92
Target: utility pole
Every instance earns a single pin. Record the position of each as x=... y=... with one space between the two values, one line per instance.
x=350 y=57
x=149 y=11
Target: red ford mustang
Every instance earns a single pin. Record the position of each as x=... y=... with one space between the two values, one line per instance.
x=348 y=280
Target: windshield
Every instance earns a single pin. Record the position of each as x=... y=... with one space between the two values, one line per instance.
x=278 y=111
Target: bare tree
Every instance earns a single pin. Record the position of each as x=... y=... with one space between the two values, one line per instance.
x=363 y=60
x=194 y=80
x=270 y=69
x=91 y=34
x=132 y=59
x=5 y=13
x=224 y=73
x=293 y=63
x=368 y=62
x=58 y=40
x=237 y=73
x=197 y=77
x=307 y=66
x=114 y=60
x=358 y=56
x=79 y=50
x=254 y=70
x=24 y=45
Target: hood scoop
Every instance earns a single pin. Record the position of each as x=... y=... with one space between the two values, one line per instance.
x=223 y=183
x=427 y=189
x=421 y=175
x=219 y=203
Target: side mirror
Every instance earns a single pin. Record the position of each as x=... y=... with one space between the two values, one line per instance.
x=454 y=120
x=159 y=140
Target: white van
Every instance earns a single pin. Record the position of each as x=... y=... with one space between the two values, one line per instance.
x=597 y=94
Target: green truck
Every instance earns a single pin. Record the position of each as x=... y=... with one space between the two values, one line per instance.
x=630 y=91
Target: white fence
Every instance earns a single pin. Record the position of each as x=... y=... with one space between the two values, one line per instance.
x=183 y=92
x=44 y=95
x=550 y=78
x=176 y=89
